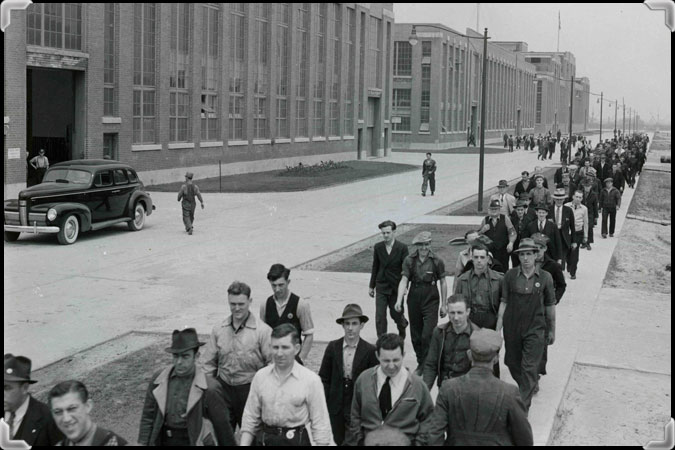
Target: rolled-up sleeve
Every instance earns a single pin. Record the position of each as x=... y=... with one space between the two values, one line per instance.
x=318 y=413
x=305 y=318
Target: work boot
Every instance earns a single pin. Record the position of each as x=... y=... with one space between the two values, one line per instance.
x=573 y=276
x=432 y=193
x=190 y=231
x=610 y=235
x=588 y=247
x=604 y=236
x=423 y=194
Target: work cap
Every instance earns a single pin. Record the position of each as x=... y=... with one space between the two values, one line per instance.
x=521 y=203
x=540 y=239
x=189 y=175
x=503 y=183
x=609 y=179
x=422 y=237
x=485 y=344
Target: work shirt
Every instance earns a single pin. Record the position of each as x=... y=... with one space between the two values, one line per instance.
x=526 y=298
x=580 y=217
x=447 y=357
x=303 y=313
x=541 y=195
x=19 y=414
x=432 y=269
x=480 y=291
x=428 y=167
x=177 y=399
x=396 y=383
x=289 y=402
x=236 y=355
x=348 y=352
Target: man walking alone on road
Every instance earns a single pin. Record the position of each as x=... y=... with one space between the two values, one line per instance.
x=428 y=175
x=187 y=194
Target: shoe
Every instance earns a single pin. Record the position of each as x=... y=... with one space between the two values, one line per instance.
x=190 y=231
x=604 y=236
x=432 y=194
x=423 y=194
x=611 y=235
x=588 y=247
x=573 y=276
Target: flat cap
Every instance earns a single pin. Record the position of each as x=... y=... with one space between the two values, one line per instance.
x=540 y=239
x=573 y=167
x=422 y=237
x=609 y=179
x=485 y=344
x=503 y=183
x=521 y=203
x=538 y=176
x=484 y=240
x=189 y=175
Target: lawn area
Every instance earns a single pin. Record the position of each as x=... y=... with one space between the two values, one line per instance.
x=457 y=151
x=118 y=388
x=278 y=181
x=440 y=235
x=652 y=197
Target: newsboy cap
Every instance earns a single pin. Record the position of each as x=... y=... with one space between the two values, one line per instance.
x=540 y=239
x=484 y=344
x=422 y=237
x=189 y=175
x=609 y=179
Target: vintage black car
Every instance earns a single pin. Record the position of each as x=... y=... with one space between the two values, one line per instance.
x=76 y=196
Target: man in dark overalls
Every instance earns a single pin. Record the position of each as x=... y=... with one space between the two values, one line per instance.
x=423 y=268
x=187 y=194
x=286 y=307
x=526 y=312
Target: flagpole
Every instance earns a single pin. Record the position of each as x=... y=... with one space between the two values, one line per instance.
x=558 y=47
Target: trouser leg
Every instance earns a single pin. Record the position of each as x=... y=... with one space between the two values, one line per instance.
x=430 y=320
x=234 y=397
x=192 y=215
x=337 y=424
x=603 y=225
x=432 y=182
x=533 y=348
x=425 y=180
x=591 y=221
x=416 y=325
x=381 y=305
x=398 y=317
x=612 y=221
x=187 y=220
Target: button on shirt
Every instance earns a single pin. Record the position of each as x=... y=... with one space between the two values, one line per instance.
x=19 y=414
x=397 y=383
x=177 y=399
x=236 y=355
x=348 y=352
x=304 y=313
x=289 y=402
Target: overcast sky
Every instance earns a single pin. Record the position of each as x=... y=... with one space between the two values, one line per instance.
x=624 y=49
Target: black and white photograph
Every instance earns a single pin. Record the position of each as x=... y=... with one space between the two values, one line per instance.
x=337 y=224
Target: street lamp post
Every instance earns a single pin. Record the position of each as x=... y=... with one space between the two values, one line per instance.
x=413 y=40
x=601 y=95
x=623 y=109
x=616 y=106
x=569 y=151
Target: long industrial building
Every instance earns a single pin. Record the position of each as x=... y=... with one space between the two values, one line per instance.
x=165 y=87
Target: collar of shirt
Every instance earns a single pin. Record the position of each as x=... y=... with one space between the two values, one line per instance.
x=293 y=372
x=285 y=300
x=466 y=330
x=396 y=382
x=536 y=271
x=18 y=414
x=88 y=439
x=248 y=323
x=173 y=373
x=345 y=344
x=416 y=254
x=479 y=276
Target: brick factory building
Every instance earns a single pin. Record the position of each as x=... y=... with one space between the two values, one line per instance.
x=165 y=87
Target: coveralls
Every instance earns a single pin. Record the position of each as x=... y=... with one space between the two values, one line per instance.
x=525 y=325
x=187 y=193
x=423 y=299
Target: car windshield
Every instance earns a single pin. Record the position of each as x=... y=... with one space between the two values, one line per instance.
x=70 y=176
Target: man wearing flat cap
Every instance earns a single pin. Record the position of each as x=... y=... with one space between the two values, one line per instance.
x=179 y=408
x=344 y=360
x=478 y=409
x=29 y=420
x=424 y=269
x=520 y=220
x=507 y=200
x=499 y=228
x=610 y=202
x=187 y=194
x=526 y=312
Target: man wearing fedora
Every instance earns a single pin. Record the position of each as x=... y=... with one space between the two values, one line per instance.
x=343 y=361
x=527 y=310
x=478 y=409
x=424 y=269
x=179 y=408
x=563 y=218
x=499 y=228
x=545 y=226
x=28 y=419
x=187 y=194
x=507 y=200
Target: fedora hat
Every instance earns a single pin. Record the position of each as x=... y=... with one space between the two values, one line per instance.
x=184 y=340
x=560 y=194
x=526 y=244
x=543 y=206
x=352 y=311
x=17 y=368
x=503 y=183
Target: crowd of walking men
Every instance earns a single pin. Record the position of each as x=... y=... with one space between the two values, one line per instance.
x=250 y=376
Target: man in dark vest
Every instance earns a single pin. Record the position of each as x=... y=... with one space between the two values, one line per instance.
x=344 y=360
x=499 y=228
x=28 y=419
x=388 y=257
x=286 y=307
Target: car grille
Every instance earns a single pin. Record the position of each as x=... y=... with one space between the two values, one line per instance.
x=12 y=218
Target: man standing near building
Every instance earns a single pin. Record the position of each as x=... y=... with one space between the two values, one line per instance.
x=580 y=236
x=71 y=408
x=286 y=307
x=563 y=218
x=344 y=360
x=40 y=163
x=478 y=409
x=428 y=175
x=187 y=194
x=510 y=143
x=424 y=269
x=29 y=420
x=526 y=312
x=610 y=203
x=447 y=357
x=235 y=351
x=179 y=410
x=507 y=200
x=499 y=229
x=286 y=398
x=388 y=257
x=506 y=140
x=389 y=395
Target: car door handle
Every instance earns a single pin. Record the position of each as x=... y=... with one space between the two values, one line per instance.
x=116 y=191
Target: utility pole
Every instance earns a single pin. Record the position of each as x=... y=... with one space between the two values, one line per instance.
x=623 y=108
x=569 y=152
x=483 y=124
x=601 y=93
x=616 y=106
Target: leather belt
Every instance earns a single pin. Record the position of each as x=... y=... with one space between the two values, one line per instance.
x=288 y=433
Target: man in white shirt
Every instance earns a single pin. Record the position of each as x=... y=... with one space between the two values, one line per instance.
x=580 y=236
x=507 y=200
x=285 y=398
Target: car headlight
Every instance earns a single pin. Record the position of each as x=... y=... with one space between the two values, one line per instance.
x=51 y=214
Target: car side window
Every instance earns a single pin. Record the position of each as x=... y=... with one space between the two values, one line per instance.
x=103 y=179
x=132 y=176
x=121 y=176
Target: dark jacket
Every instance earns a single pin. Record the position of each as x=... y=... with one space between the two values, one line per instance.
x=590 y=201
x=603 y=171
x=332 y=370
x=207 y=415
x=436 y=366
x=520 y=188
x=556 y=271
x=619 y=180
x=478 y=409
x=386 y=272
x=557 y=177
x=610 y=199
x=38 y=427
x=463 y=286
x=554 y=249
x=567 y=230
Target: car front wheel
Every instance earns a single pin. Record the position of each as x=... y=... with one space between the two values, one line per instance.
x=11 y=236
x=69 y=231
x=139 y=218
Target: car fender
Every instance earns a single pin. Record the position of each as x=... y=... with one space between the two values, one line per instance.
x=82 y=212
x=143 y=197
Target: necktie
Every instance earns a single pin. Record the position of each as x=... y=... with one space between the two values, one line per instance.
x=541 y=227
x=12 y=416
x=385 y=399
x=557 y=216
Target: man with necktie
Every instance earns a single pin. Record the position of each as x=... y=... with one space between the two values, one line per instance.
x=507 y=200
x=563 y=217
x=580 y=236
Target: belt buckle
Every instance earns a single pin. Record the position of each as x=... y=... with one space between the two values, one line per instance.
x=290 y=434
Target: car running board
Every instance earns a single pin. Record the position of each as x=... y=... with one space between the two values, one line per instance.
x=107 y=223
